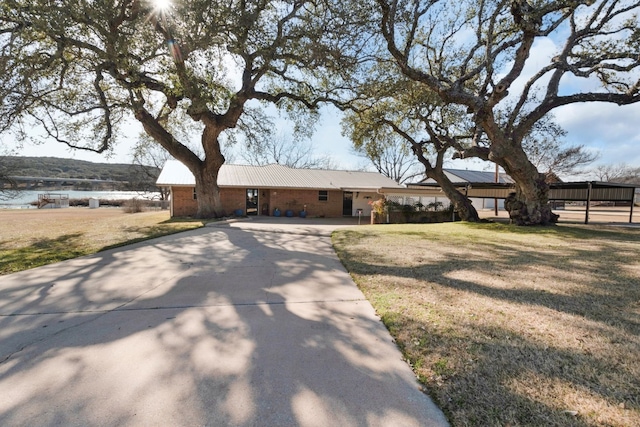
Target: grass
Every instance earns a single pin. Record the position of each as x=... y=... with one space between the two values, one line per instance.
x=508 y=325
x=33 y=238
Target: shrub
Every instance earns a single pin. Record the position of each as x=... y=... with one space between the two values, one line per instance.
x=134 y=205
x=378 y=206
x=408 y=208
x=435 y=206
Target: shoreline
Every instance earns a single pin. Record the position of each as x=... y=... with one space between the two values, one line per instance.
x=25 y=198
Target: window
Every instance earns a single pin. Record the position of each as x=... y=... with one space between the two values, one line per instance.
x=195 y=195
x=323 y=195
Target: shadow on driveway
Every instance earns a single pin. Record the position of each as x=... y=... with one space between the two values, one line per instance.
x=227 y=325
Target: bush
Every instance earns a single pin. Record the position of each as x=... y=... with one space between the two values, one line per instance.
x=435 y=206
x=378 y=206
x=134 y=205
x=418 y=213
x=397 y=213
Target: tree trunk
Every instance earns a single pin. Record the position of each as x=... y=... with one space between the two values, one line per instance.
x=461 y=203
x=207 y=190
x=205 y=171
x=525 y=209
x=206 y=174
x=529 y=205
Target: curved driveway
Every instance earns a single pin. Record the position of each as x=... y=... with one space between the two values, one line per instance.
x=253 y=323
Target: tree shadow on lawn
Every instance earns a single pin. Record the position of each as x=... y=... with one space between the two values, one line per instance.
x=607 y=282
x=41 y=252
x=147 y=233
x=480 y=379
x=576 y=231
x=451 y=295
x=178 y=219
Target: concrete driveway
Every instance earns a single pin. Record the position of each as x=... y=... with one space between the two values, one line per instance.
x=253 y=323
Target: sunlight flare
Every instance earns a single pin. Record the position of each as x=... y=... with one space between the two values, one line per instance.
x=161 y=5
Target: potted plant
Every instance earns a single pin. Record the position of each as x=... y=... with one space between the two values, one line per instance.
x=289 y=211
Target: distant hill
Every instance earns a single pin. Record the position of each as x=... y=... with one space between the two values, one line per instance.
x=53 y=167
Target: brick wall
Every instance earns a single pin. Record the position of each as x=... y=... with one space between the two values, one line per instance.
x=183 y=202
x=297 y=199
x=232 y=199
x=235 y=198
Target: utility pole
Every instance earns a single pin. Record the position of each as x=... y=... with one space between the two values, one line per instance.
x=495 y=200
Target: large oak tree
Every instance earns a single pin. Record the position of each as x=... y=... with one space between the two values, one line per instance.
x=478 y=55
x=80 y=71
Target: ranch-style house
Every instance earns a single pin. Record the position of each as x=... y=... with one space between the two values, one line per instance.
x=279 y=190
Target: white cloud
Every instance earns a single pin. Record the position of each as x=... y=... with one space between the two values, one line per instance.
x=612 y=130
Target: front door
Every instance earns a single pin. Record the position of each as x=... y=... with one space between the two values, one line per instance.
x=347 y=203
x=252 y=201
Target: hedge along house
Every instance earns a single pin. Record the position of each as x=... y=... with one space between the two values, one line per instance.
x=277 y=189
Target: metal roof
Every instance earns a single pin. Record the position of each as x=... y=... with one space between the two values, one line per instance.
x=174 y=173
x=567 y=191
x=457 y=176
x=592 y=190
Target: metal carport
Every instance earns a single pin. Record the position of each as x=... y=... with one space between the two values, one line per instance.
x=584 y=191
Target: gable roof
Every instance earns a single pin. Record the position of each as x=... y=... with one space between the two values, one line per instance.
x=458 y=176
x=174 y=173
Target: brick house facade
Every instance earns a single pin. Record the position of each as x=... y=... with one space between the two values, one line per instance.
x=260 y=190
x=183 y=201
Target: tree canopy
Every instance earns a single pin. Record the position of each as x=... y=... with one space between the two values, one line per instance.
x=79 y=71
x=392 y=158
x=287 y=151
x=621 y=172
x=547 y=150
x=396 y=113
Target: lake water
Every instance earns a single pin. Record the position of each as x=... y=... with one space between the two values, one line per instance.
x=26 y=197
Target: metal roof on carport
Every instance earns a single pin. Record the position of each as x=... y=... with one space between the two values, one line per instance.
x=592 y=190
